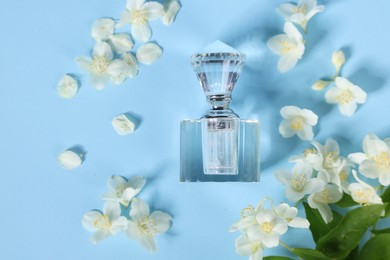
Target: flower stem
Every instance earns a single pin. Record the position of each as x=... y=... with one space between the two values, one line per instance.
x=284 y=245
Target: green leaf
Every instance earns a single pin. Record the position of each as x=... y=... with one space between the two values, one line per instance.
x=308 y=253
x=386 y=198
x=381 y=231
x=277 y=258
x=318 y=227
x=377 y=248
x=346 y=201
x=341 y=240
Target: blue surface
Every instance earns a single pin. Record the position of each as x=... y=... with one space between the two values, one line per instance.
x=42 y=205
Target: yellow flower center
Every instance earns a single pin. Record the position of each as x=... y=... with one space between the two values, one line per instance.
x=99 y=65
x=139 y=17
x=248 y=211
x=297 y=124
x=302 y=9
x=286 y=47
x=266 y=227
x=343 y=175
x=298 y=181
x=382 y=160
x=345 y=97
x=324 y=197
x=102 y=223
x=147 y=225
x=361 y=196
x=330 y=159
x=309 y=151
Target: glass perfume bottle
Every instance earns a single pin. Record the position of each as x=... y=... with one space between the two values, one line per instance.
x=219 y=146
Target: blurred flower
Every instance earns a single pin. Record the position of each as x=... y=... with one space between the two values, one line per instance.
x=149 y=53
x=102 y=67
x=70 y=160
x=138 y=14
x=104 y=224
x=299 y=182
x=123 y=125
x=67 y=87
x=346 y=95
x=249 y=247
x=363 y=193
x=289 y=214
x=123 y=191
x=297 y=121
x=143 y=226
x=375 y=161
x=320 y=84
x=248 y=218
x=320 y=200
x=103 y=30
x=171 y=8
x=338 y=60
x=301 y=13
x=289 y=46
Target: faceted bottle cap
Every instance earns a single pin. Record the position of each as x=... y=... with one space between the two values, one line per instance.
x=218 y=67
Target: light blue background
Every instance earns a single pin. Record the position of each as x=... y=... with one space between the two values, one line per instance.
x=42 y=204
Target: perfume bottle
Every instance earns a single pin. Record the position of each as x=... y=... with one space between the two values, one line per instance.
x=219 y=146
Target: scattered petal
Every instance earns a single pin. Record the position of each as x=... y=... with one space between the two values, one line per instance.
x=69 y=160
x=171 y=9
x=67 y=87
x=149 y=53
x=123 y=125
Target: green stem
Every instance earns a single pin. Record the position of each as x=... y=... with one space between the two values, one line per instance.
x=284 y=245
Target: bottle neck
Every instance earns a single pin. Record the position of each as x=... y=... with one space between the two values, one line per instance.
x=220 y=106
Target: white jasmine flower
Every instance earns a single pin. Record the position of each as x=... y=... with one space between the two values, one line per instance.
x=297 y=121
x=144 y=226
x=301 y=13
x=119 y=71
x=249 y=247
x=289 y=214
x=104 y=224
x=149 y=53
x=346 y=95
x=132 y=64
x=309 y=156
x=320 y=84
x=269 y=228
x=122 y=190
x=171 y=8
x=70 y=160
x=123 y=125
x=363 y=193
x=320 y=200
x=327 y=161
x=102 y=67
x=67 y=87
x=103 y=30
x=289 y=46
x=338 y=60
x=248 y=218
x=375 y=161
x=138 y=14
x=299 y=182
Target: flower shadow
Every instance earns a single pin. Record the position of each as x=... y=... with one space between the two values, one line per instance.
x=135 y=118
x=79 y=150
x=369 y=78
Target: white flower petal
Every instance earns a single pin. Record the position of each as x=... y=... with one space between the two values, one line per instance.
x=298 y=222
x=132 y=64
x=125 y=18
x=163 y=221
x=283 y=176
x=89 y=219
x=271 y=239
x=123 y=125
x=348 y=109
x=112 y=210
x=134 y=4
x=287 y=9
x=116 y=181
x=171 y=9
x=247 y=247
x=69 y=160
x=357 y=157
x=121 y=42
x=313 y=185
x=141 y=32
x=99 y=236
x=67 y=87
x=154 y=10
x=310 y=117
x=280 y=226
x=338 y=60
x=102 y=29
x=331 y=95
x=290 y=112
x=369 y=169
x=139 y=209
x=275 y=43
x=343 y=83
x=132 y=230
x=119 y=71
x=285 y=129
x=293 y=195
x=148 y=243
x=99 y=81
x=306 y=134
x=373 y=146
x=292 y=32
x=84 y=63
x=118 y=225
x=384 y=179
x=102 y=49
x=287 y=62
x=149 y=53
x=320 y=84
x=359 y=94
